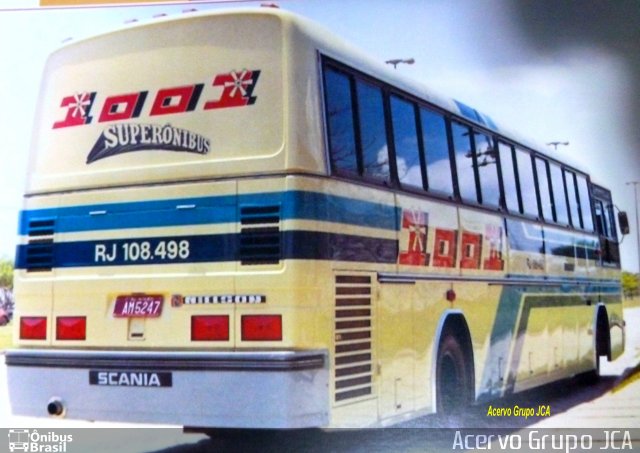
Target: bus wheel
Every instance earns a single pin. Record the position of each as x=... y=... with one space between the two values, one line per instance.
x=453 y=376
x=602 y=348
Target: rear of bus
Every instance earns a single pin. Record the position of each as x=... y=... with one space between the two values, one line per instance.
x=150 y=279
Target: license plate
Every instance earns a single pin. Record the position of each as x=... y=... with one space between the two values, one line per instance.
x=138 y=306
x=112 y=378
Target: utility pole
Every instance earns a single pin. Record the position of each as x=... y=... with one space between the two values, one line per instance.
x=396 y=61
x=556 y=144
x=635 y=193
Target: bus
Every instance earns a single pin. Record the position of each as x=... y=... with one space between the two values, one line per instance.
x=234 y=219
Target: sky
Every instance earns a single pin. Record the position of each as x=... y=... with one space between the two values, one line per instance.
x=477 y=51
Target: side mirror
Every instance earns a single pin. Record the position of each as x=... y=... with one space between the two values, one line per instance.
x=623 y=222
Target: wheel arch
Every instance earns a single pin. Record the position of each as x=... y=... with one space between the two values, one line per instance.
x=452 y=321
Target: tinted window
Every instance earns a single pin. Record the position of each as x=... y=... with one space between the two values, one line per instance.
x=559 y=200
x=434 y=139
x=342 y=143
x=405 y=140
x=543 y=187
x=487 y=170
x=601 y=221
x=464 y=162
x=585 y=203
x=611 y=223
x=508 y=177
x=527 y=184
x=373 y=135
x=570 y=181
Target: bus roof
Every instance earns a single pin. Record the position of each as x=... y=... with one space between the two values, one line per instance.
x=73 y=61
x=330 y=42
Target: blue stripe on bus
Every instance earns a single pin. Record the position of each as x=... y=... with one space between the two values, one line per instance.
x=310 y=245
x=213 y=210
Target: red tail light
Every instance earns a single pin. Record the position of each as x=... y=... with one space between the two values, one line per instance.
x=71 y=328
x=33 y=328
x=262 y=328
x=210 y=328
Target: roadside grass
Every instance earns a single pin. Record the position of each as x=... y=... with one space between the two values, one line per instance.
x=631 y=302
x=6 y=336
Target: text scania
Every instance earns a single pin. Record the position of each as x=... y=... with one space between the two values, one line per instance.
x=237 y=91
x=128 y=379
x=613 y=440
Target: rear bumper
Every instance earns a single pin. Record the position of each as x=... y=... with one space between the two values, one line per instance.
x=259 y=389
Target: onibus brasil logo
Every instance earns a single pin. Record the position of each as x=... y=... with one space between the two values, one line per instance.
x=33 y=441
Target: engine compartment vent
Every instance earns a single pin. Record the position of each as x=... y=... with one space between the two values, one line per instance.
x=39 y=250
x=353 y=342
x=260 y=239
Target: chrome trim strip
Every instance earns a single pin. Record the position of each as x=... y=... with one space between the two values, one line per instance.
x=294 y=360
x=387 y=277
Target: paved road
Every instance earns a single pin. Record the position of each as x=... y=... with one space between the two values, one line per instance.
x=613 y=403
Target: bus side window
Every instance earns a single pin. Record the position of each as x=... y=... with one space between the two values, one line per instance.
x=340 y=124
x=465 y=162
x=486 y=158
x=438 y=162
x=527 y=184
x=570 y=181
x=373 y=134
x=405 y=141
x=559 y=197
x=543 y=185
x=601 y=224
x=585 y=202
x=509 y=177
x=611 y=223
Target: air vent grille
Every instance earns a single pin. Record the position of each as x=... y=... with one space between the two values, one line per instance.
x=260 y=235
x=353 y=347
x=39 y=253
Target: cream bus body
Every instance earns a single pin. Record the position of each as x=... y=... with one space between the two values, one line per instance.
x=189 y=255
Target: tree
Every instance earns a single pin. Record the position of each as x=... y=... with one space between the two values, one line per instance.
x=6 y=273
x=629 y=284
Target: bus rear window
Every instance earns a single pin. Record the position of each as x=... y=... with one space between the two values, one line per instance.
x=339 y=112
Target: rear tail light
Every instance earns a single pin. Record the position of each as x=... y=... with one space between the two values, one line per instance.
x=210 y=328
x=33 y=328
x=262 y=328
x=71 y=328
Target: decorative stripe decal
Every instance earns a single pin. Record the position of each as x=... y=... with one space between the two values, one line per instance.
x=214 y=248
x=293 y=205
x=215 y=210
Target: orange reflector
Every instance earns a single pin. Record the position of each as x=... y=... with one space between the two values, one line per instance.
x=33 y=328
x=71 y=328
x=210 y=328
x=262 y=328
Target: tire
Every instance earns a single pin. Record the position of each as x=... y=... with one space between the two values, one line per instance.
x=454 y=376
x=602 y=348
